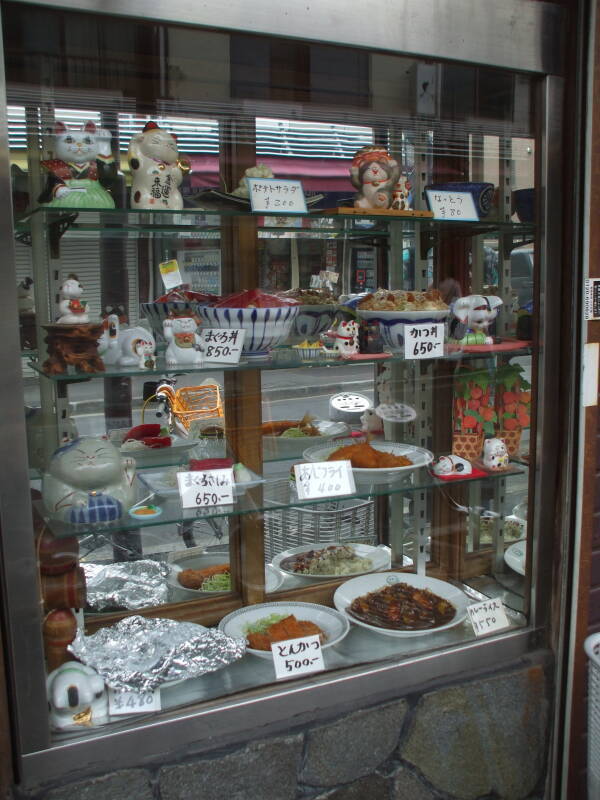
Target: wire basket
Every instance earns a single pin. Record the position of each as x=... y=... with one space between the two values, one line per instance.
x=193 y=403
x=337 y=521
x=592 y=649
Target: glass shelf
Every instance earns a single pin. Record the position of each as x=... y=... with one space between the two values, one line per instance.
x=273 y=495
x=266 y=363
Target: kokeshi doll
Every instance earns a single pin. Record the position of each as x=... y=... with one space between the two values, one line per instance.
x=59 y=630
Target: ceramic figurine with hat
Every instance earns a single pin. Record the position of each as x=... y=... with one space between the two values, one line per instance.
x=375 y=174
x=474 y=314
x=157 y=169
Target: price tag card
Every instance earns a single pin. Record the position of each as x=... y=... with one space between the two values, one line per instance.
x=222 y=344
x=592 y=298
x=297 y=656
x=169 y=272
x=458 y=206
x=276 y=196
x=424 y=341
x=488 y=616
x=324 y=479
x=211 y=487
x=132 y=702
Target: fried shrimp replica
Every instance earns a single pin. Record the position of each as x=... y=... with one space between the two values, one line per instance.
x=363 y=456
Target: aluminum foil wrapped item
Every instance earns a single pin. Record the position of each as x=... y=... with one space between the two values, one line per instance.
x=128 y=584
x=140 y=654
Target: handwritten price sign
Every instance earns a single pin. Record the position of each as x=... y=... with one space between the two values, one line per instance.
x=456 y=206
x=211 y=487
x=488 y=616
x=324 y=479
x=275 y=196
x=297 y=656
x=424 y=341
x=132 y=702
x=222 y=345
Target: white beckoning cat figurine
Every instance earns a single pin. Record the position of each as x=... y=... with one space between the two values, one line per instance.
x=88 y=481
x=72 y=309
x=77 y=697
x=145 y=354
x=371 y=422
x=119 y=345
x=183 y=343
x=495 y=454
x=157 y=169
x=82 y=160
x=374 y=173
x=346 y=338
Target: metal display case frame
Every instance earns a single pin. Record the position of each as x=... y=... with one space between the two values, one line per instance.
x=517 y=35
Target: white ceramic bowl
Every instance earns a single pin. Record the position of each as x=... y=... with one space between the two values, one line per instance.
x=391 y=323
x=332 y=623
x=265 y=327
x=273 y=577
x=313 y=320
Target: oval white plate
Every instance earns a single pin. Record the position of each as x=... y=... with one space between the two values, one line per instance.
x=418 y=455
x=515 y=556
x=273 y=577
x=290 y=447
x=356 y=587
x=380 y=556
x=332 y=623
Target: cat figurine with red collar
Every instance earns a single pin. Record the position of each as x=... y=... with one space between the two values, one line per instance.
x=346 y=338
x=374 y=173
x=157 y=170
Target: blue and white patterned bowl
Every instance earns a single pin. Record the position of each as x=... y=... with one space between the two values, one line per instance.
x=313 y=320
x=156 y=313
x=265 y=327
x=391 y=324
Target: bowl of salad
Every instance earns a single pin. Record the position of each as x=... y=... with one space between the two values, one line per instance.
x=209 y=574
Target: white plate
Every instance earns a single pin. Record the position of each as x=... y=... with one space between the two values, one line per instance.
x=356 y=587
x=332 y=623
x=380 y=556
x=273 y=578
x=515 y=556
x=165 y=456
x=278 y=447
x=418 y=455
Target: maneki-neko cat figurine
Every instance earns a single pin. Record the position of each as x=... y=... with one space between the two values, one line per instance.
x=157 y=169
x=73 y=311
x=183 y=343
x=375 y=174
x=82 y=160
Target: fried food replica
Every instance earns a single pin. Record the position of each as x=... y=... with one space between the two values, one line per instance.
x=363 y=456
x=277 y=427
x=287 y=628
x=399 y=300
x=194 y=578
x=402 y=607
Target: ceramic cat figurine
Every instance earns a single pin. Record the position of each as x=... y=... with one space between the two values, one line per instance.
x=374 y=173
x=495 y=454
x=474 y=314
x=451 y=465
x=72 y=309
x=346 y=338
x=88 y=482
x=157 y=169
x=120 y=345
x=77 y=697
x=82 y=159
x=182 y=341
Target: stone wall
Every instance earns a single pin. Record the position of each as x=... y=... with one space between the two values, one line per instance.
x=480 y=739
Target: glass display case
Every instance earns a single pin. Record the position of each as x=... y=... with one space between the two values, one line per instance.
x=251 y=424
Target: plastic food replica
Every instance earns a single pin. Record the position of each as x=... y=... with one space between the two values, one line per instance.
x=399 y=300
x=210 y=579
x=72 y=309
x=475 y=313
x=82 y=159
x=263 y=633
x=126 y=347
x=157 y=169
x=375 y=174
x=88 y=482
x=495 y=455
x=291 y=427
x=513 y=405
x=474 y=414
x=363 y=456
x=77 y=697
x=259 y=171
x=403 y=608
x=332 y=560
x=183 y=342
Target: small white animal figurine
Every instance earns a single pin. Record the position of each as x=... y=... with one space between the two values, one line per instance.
x=452 y=465
x=374 y=173
x=25 y=302
x=157 y=169
x=346 y=338
x=87 y=480
x=120 y=345
x=72 y=309
x=145 y=354
x=82 y=159
x=183 y=343
x=77 y=697
x=402 y=194
x=476 y=312
x=371 y=422
x=495 y=455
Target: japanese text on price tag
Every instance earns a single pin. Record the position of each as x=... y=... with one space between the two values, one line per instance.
x=458 y=206
x=424 y=341
x=169 y=272
x=324 y=479
x=133 y=702
x=222 y=344
x=276 y=196
x=211 y=487
x=297 y=656
x=488 y=616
